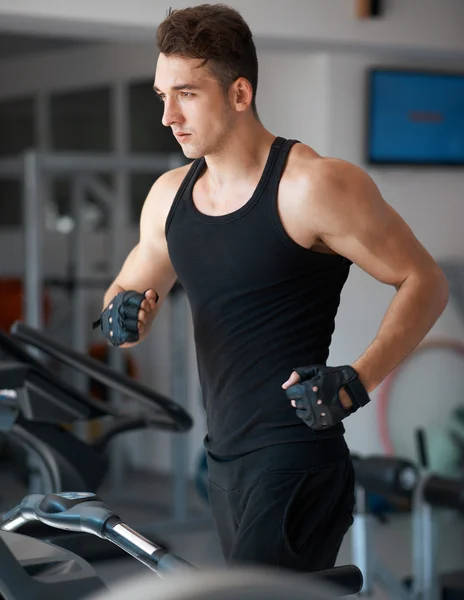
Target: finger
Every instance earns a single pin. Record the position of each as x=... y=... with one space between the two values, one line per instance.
x=152 y=303
x=345 y=399
x=130 y=310
x=141 y=327
x=146 y=305
x=299 y=404
x=131 y=324
x=151 y=295
x=142 y=316
x=294 y=378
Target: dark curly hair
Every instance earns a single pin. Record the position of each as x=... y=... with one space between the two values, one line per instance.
x=217 y=34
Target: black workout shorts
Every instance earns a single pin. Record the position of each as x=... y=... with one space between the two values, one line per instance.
x=286 y=506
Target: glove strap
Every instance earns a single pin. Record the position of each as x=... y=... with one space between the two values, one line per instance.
x=96 y=324
x=356 y=391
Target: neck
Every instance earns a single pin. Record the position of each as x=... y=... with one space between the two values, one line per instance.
x=243 y=153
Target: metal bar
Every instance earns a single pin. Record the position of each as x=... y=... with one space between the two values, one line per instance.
x=44 y=144
x=77 y=162
x=148 y=553
x=33 y=234
x=179 y=391
x=361 y=541
x=133 y=543
x=117 y=225
x=12 y=520
x=417 y=543
x=77 y=266
x=78 y=297
x=430 y=575
x=100 y=190
x=176 y=418
x=62 y=163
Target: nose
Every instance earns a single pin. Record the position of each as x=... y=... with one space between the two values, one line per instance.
x=171 y=113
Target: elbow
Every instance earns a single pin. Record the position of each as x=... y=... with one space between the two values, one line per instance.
x=439 y=288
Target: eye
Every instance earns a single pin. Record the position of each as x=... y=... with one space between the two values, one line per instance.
x=160 y=97
x=186 y=94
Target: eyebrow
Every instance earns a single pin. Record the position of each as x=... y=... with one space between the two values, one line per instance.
x=182 y=86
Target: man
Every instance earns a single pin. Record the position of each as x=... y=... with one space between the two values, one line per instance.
x=261 y=232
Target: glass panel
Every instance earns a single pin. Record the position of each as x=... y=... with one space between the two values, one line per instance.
x=81 y=120
x=11 y=209
x=17 y=126
x=17 y=134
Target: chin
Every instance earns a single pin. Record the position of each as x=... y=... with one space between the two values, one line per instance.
x=192 y=153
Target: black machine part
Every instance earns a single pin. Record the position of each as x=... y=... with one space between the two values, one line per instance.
x=35 y=383
x=386 y=475
x=399 y=477
x=162 y=411
x=86 y=513
x=444 y=492
x=34 y=570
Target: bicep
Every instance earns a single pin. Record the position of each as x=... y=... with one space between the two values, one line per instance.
x=360 y=225
x=148 y=265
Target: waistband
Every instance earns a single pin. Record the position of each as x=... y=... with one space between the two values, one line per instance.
x=293 y=456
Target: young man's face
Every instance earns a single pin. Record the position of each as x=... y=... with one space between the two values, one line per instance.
x=195 y=106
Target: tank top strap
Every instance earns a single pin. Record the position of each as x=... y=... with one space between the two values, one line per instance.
x=279 y=163
x=192 y=175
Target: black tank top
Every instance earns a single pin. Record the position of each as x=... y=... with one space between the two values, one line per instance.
x=261 y=306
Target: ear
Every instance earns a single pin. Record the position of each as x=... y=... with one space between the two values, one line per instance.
x=241 y=94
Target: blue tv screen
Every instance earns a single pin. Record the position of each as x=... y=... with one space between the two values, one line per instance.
x=415 y=118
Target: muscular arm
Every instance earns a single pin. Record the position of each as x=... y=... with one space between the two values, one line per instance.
x=148 y=265
x=351 y=218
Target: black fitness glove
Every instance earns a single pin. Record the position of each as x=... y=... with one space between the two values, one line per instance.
x=322 y=409
x=119 y=320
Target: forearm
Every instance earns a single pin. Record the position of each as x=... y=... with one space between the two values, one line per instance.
x=417 y=304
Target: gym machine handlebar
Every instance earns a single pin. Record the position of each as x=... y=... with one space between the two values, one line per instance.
x=444 y=492
x=386 y=475
x=86 y=513
x=400 y=478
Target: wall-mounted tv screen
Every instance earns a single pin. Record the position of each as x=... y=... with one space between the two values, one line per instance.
x=415 y=117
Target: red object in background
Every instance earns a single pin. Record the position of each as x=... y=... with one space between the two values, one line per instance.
x=11 y=302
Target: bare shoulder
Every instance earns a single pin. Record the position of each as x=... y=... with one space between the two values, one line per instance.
x=330 y=187
x=162 y=193
x=315 y=171
x=339 y=175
